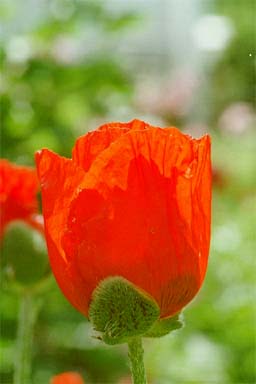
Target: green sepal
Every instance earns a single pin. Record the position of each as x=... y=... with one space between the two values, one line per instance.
x=120 y=310
x=164 y=326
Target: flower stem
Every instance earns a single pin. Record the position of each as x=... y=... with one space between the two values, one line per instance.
x=136 y=358
x=26 y=321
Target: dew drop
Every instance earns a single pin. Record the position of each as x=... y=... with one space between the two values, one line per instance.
x=190 y=171
x=188 y=174
x=152 y=230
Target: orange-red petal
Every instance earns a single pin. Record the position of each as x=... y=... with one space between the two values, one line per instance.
x=134 y=216
x=89 y=146
x=18 y=189
x=67 y=378
x=60 y=179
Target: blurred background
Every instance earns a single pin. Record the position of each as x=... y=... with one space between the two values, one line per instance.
x=69 y=66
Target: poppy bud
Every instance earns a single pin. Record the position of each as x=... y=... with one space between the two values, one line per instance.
x=23 y=248
x=24 y=255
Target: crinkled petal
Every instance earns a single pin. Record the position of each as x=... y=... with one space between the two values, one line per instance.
x=134 y=216
x=60 y=179
x=89 y=146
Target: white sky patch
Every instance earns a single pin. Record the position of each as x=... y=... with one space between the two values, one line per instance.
x=226 y=238
x=19 y=49
x=212 y=32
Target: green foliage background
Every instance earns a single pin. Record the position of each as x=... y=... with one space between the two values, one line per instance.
x=48 y=100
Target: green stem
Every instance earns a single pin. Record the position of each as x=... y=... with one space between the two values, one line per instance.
x=26 y=321
x=136 y=358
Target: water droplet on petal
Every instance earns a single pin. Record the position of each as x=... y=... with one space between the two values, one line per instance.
x=190 y=171
x=152 y=230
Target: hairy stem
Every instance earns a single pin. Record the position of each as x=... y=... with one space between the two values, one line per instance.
x=136 y=358
x=26 y=321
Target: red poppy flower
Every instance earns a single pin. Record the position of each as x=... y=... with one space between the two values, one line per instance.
x=134 y=201
x=18 y=189
x=67 y=378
